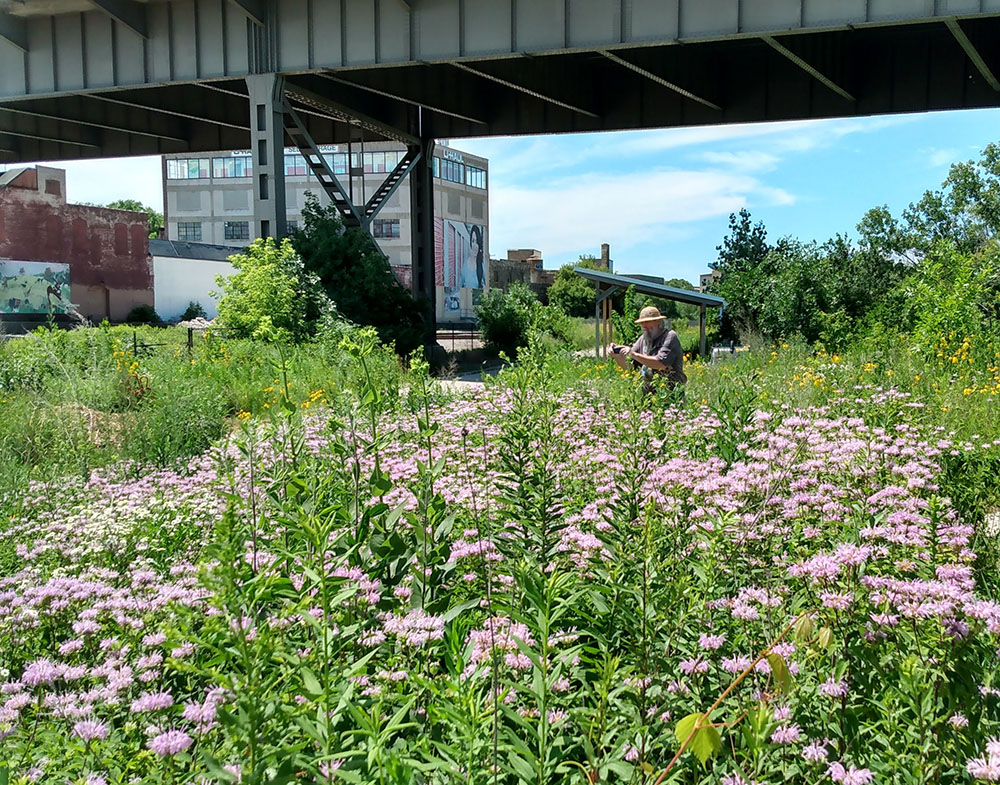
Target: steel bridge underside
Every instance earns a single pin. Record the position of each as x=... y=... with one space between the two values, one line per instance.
x=145 y=81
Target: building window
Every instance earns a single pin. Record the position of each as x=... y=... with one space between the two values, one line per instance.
x=291 y=226
x=237 y=230
x=452 y=171
x=236 y=166
x=385 y=228
x=189 y=231
x=295 y=165
x=189 y=168
x=475 y=177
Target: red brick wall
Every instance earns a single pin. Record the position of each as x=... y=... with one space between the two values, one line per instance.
x=107 y=250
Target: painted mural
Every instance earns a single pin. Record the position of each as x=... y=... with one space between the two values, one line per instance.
x=33 y=287
x=462 y=254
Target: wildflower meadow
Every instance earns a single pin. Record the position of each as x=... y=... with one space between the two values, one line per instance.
x=787 y=575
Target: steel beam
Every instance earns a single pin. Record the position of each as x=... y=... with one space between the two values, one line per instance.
x=345 y=114
x=395 y=97
x=813 y=72
x=185 y=115
x=256 y=10
x=92 y=124
x=126 y=12
x=56 y=139
x=659 y=80
x=972 y=53
x=422 y=231
x=525 y=90
x=267 y=143
x=14 y=30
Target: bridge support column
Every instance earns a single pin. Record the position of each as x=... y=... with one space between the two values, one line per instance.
x=422 y=227
x=267 y=143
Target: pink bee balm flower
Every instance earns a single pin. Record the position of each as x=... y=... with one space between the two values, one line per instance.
x=786 y=734
x=170 y=743
x=851 y=776
x=90 y=730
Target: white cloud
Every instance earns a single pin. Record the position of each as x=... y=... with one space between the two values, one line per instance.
x=743 y=160
x=938 y=157
x=110 y=179
x=575 y=215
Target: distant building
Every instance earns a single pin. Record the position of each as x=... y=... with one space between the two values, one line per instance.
x=705 y=280
x=186 y=272
x=208 y=198
x=67 y=259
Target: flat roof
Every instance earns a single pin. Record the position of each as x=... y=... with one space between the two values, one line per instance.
x=654 y=289
x=185 y=250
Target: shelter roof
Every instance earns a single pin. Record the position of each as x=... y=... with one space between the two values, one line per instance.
x=652 y=289
x=205 y=251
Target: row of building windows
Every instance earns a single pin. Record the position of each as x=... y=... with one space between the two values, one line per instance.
x=190 y=231
x=296 y=166
x=385 y=228
x=455 y=172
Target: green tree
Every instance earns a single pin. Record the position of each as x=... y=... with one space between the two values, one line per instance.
x=357 y=278
x=672 y=309
x=965 y=211
x=745 y=266
x=271 y=289
x=505 y=317
x=572 y=293
x=155 y=219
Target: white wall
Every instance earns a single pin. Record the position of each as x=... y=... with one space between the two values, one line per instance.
x=178 y=281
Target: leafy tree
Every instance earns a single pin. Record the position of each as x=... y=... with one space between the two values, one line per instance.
x=966 y=211
x=505 y=316
x=357 y=278
x=271 y=289
x=673 y=309
x=155 y=218
x=745 y=266
x=572 y=293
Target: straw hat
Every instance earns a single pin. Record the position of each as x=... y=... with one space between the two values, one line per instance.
x=650 y=314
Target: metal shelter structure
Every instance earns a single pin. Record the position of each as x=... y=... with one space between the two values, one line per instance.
x=103 y=78
x=610 y=284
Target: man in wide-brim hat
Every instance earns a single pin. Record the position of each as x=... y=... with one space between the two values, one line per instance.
x=657 y=352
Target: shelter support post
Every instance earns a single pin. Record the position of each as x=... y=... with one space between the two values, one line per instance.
x=422 y=212
x=597 y=320
x=701 y=331
x=267 y=143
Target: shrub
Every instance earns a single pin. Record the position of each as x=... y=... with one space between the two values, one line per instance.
x=356 y=277
x=142 y=314
x=193 y=311
x=271 y=287
x=505 y=316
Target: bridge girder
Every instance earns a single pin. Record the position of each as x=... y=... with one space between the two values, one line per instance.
x=480 y=67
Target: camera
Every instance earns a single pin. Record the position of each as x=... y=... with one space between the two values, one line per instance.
x=616 y=349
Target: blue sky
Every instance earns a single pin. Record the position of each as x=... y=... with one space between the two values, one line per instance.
x=662 y=198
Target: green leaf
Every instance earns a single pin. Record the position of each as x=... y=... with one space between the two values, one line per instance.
x=521 y=768
x=779 y=672
x=705 y=744
x=683 y=728
x=310 y=683
x=454 y=612
x=825 y=637
x=804 y=627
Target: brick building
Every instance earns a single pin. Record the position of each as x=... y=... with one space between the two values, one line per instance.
x=64 y=258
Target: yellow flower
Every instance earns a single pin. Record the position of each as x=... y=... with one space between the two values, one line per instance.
x=243 y=414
